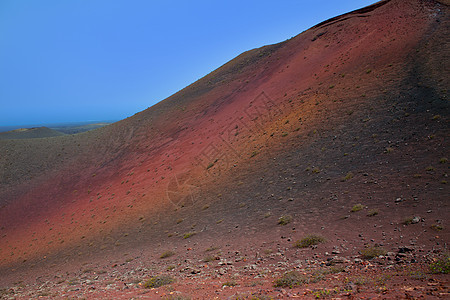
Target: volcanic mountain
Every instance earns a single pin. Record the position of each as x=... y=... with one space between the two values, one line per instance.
x=340 y=131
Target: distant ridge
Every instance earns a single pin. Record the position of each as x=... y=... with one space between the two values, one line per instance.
x=29 y=133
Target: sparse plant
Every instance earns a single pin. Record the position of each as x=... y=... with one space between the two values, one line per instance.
x=389 y=150
x=205 y=207
x=177 y=297
x=430 y=169
x=290 y=279
x=212 y=248
x=209 y=258
x=189 y=234
x=324 y=293
x=357 y=207
x=230 y=283
x=441 y=265
x=336 y=269
x=268 y=251
x=315 y=170
x=443 y=160
x=284 y=220
x=254 y=153
x=309 y=240
x=158 y=281
x=170 y=268
x=437 y=227
x=348 y=176
x=372 y=213
x=166 y=254
x=372 y=252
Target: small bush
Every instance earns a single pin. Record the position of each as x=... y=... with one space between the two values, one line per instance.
x=347 y=177
x=189 y=234
x=284 y=220
x=372 y=213
x=316 y=170
x=167 y=254
x=309 y=240
x=443 y=160
x=357 y=207
x=209 y=258
x=441 y=266
x=230 y=283
x=158 y=281
x=290 y=279
x=372 y=252
x=437 y=227
x=177 y=297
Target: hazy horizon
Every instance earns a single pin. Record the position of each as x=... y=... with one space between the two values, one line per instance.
x=71 y=61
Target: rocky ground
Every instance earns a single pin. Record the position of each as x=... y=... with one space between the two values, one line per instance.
x=279 y=272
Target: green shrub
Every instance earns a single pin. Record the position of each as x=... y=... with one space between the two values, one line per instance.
x=372 y=213
x=158 y=281
x=357 y=207
x=189 y=234
x=441 y=265
x=348 y=176
x=177 y=297
x=230 y=283
x=437 y=227
x=290 y=279
x=309 y=240
x=372 y=252
x=167 y=254
x=284 y=220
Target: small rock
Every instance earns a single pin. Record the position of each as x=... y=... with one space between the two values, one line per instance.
x=415 y=220
x=405 y=249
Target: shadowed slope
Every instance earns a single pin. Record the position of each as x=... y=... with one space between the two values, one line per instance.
x=348 y=111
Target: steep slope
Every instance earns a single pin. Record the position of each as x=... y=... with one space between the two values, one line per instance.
x=354 y=110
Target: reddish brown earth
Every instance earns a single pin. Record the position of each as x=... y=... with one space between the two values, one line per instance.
x=354 y=110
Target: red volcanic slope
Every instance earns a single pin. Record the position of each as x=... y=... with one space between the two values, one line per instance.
x=124 y=185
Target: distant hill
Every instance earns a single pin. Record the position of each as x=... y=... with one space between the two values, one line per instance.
x=78 y=128
x=30 y=133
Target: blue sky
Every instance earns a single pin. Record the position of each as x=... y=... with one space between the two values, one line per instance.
x=86 y=60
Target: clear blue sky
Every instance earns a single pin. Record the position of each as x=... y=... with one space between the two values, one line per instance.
x=83 y=60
